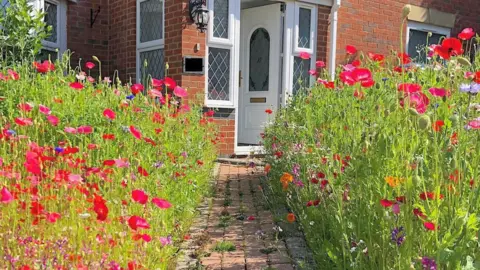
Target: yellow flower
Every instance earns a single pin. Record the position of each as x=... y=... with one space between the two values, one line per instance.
x=394 y=181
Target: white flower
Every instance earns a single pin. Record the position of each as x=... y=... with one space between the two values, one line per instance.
x=84 y=215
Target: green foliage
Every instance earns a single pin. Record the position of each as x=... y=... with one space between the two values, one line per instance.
x=224 y=246
x=21 y=33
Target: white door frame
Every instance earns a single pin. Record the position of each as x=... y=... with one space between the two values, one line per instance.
x=288 y=53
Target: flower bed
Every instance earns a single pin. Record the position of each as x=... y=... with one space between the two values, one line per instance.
x=97 y=176
x=381 y=167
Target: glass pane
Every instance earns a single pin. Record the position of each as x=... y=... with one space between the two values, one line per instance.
x=151 y=20
x=47 y=55
x=304 y=25
x=417 y=43
x=51 y=20
x=218 y=74
x=259 y=60
x=220 y=18
x=152 y=63
x=301 y=79
x=3 y=7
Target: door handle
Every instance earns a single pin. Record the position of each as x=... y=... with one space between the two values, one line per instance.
x=240 y=78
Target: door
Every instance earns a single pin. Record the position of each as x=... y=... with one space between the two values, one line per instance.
x=259 y=70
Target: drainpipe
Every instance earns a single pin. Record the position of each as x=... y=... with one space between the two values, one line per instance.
x=333 y=38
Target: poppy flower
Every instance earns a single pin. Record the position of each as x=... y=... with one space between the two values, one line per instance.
x=268 y=111
x=101 y=210
x=438 y=92
x=84 y=130
x=154 y=93
x=449 y=47
x=139 y=196
x=430 y=195
x=418 y=213
x=304 y=55
x=179 y=92
x=52 y=217
x=351 y=50
x=108 y=137
x=108 y=113
x=135 y=132
x=291 y=217
x=475 y=124
x=437 y=126
x=26 y=107
x=404 y=58
x=466 y=34
x=13 y=75
x=76 y=85
x=44 y=67
x=386 y=203
x=36 y=208
x=376 y=57
x=44 y=109
x=157 y=84
x=320 y=64
x=170 y=83
x=142 y=171
x=136 y=88
x=21 y=121
x=313 y=72
x=6 y=196
x=356 y=63
x=89 y=65
x=409 y=88
x=136 y=222
x=430 y=226
x=419 y=101
x=161 y=203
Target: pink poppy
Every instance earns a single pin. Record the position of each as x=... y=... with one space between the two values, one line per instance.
x=84 y=129
x=136 y=88
x=438 y=92
x=26 y=107
x=179 y=92
x=185 y=108
x=89 y=65
x=139 y=196
x=320 y=64
x=408 y=88
x=136 y=222
x=5 y=196
x=21 y=121
x=161 y=203
x=158 y=84
x=44 y=109
x=466 y=34
x=91 y=79
x=75 y=179
x=14 y=75
x=70 y=130
x=121 y=163
x=351 y=50
x=108 y=113
x=419 y=101
x=76 y=85
x=52 y=217
x=475 y=124
x=430 y=226
x=135 y=132
x=304 y=55
x=313 y=72
x=386 y=203
x=53 y=120
x=155 y=93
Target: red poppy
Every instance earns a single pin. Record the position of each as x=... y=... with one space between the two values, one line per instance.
x=76 y=85
x=376 y=57
x=21 y=121
x=52 y=217
x=430 y=226
x=161 y=203
x=356 y=63
x=361 y=75
x=437 y=126
x=109 y=162
x=450 y=47
x=386 y=203
x=408 y=88
x=136 y=88
x=404 y=58
x=429 y=195
x=84 y=129
x=44 y=67
x=170 y=83
x=89 y=65
x=209 y=113
x=417 y=212
x=454 y=139
x=36 y=209
x=351 y=50
x=368 y=83
x=329 y=85
x=142 y=171
x=101 y=210
x=139 y=196
x=108 y=136
x=135 y=132
x=466 y=34
x=108 y=113
x=268 y=111
x=323 y=184
x=136 y=222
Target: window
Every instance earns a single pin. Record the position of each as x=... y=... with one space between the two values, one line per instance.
x=304 y=42
x=220 y=54
x=150 y=39
x=3 y=7
x=418 y=39
x=55 y=17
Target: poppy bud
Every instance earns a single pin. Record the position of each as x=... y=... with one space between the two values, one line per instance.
x=95 y=58
x=413 y=112
x=424 y=122
x=454 y=118
x=406 y=10
x=463 y=61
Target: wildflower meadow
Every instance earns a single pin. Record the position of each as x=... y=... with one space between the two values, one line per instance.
x=381 y=165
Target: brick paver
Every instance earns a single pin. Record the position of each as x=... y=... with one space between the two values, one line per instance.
x=235 y=231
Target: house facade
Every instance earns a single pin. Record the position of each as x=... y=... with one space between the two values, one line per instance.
x=251 y=57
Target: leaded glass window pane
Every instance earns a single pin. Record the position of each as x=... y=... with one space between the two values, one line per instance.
x=417 y=43
x=151 y=20
x=301 y=79
x=47 y=55
x=152 y=64
x=3 y=7
x=218 y=74
x=51 y=20
x=304 y=27
x=259 y=60
x=220 y=18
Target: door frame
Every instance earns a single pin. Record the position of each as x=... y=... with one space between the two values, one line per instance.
x=290 y=30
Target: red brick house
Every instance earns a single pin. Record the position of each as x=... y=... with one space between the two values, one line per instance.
x=248 y=59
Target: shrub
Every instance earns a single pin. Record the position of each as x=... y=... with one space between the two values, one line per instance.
x=94 y=175
x=381 y=167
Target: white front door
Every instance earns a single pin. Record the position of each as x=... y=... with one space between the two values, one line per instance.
x=260 y=68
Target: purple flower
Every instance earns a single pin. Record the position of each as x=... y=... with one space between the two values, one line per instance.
x=398 y=235
x=184 y=154
x=296 y=170
x=166 y=240
x=251 y=165
x=429 y=264
x=472 y=88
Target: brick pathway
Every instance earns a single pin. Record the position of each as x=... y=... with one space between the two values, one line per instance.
x=235 y=229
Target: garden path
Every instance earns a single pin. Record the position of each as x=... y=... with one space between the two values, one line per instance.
x=235 y=229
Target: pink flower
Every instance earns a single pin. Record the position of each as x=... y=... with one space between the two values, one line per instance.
x=158 y=84
x=76 y=85
x=304 y=55
x=53 y=120
x=475 y=124
x=22 y=121
x=52 y=217
x=135 y=132
x=89 y=65
x=179 y=92
x=438 y=92
x=44 y=109
x=26 y=107
x=466 y=34
x=313 y=72
x=396 y=209
x=136 y=222
x=155 y=93
x=161 y=203
x=108 y=113
x=136 y=88
x=14 y=75
x=70 y=130
x=5 y=196
x=139 y=196
x=84 y=129
x=320 y=64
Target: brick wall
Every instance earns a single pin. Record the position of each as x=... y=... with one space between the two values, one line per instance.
x=84 y=41
x=323 y=27
x=374 y=25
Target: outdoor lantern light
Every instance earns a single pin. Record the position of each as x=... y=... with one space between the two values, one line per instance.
x=199 y=14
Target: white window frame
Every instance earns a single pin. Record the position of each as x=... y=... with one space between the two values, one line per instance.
x=61 y=44
x=293 y=23
x=149 y=45
x=228 y=44
x=425 y=27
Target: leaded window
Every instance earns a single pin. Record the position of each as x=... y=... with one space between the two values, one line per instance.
x=220 y=18
x=219 y=74
x=259 y=62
